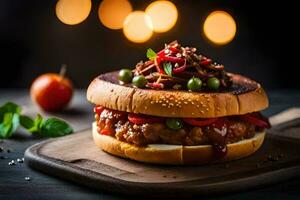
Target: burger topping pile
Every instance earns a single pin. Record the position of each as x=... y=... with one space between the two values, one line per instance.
x=179 y=68
x=142 y=130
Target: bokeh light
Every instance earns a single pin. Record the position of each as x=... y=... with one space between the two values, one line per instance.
x=219 y=27
x=112 y=13
x=138 y=27
x=163 y=15
x=73 y=12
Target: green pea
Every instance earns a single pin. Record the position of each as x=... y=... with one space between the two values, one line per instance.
x=213 y=83
x=125 y=75
x=194 y=84
x=139 y=81
x=174 y=123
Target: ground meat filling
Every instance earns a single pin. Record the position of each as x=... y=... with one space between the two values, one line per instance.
x=116 y=124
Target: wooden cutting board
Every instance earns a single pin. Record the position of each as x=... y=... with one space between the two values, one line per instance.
x=76 y=158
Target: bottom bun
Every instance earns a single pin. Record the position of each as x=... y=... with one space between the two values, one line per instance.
x=176 y=154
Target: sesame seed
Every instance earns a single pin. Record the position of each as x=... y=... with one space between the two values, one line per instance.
x=171 y=104
x=192 y=103
x=164 y=104
x=202 y=111
x=197 y=106
x=185 y=102
x=152 y=102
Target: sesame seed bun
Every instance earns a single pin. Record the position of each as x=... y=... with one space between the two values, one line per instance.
x=245 y=96
x=176 y=154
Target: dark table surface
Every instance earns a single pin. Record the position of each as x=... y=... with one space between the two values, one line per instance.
x=41 y=186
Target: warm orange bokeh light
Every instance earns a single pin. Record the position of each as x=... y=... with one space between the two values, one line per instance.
x=163 y=15
x=219 y=27
x=137 y=27
x=112 y=13
x=73 y=12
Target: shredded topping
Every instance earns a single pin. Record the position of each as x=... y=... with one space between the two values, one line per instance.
x=175 y=65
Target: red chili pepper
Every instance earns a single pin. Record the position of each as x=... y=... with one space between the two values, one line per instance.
x=174 y=50
x=142 y=119
x=156 y=85
x=205 y=61
x=98 y=109
x=257 y=119
x=160 y=53
x=199 y=122
x=173 y=59
x=180 y=69
x=157 y=64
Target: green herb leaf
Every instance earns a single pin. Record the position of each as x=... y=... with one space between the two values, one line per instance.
x=168 y=68
x=37 y=124
x=54 y=127
x=9 y=119
x=151 y=55
x=26 y=122
x=9 y=107
x=9 y=124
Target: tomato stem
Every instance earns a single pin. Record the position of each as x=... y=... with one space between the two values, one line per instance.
x=63 y=71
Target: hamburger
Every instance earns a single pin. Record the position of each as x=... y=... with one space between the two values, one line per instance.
x=178 y=107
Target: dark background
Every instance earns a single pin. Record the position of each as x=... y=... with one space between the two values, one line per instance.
x=33 y=41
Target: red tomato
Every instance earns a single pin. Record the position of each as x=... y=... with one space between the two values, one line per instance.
x=199 y=122
x=98 y=109
x=51 y=92
x=258 y=120
x=142 y=119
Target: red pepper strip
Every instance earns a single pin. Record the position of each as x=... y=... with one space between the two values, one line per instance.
x=156 y=85
x=142 y=119
x=157 y=64
x=160 y=53
x=98 y=109
x=199 y=122
x=205 y=62
x=264 y=123
x=174 y=50
x=173 y=59
x=180 y=69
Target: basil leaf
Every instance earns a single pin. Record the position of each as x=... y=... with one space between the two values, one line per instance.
x=9 y=124
x=151 y=55
x=37 y=124
x=26 y=122
x=54 y=127
x=168 y=68
x=9 y=107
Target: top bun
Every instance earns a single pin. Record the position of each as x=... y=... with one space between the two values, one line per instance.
x=245 y=96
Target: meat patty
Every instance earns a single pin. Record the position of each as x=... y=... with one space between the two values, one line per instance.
x=232 y=131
